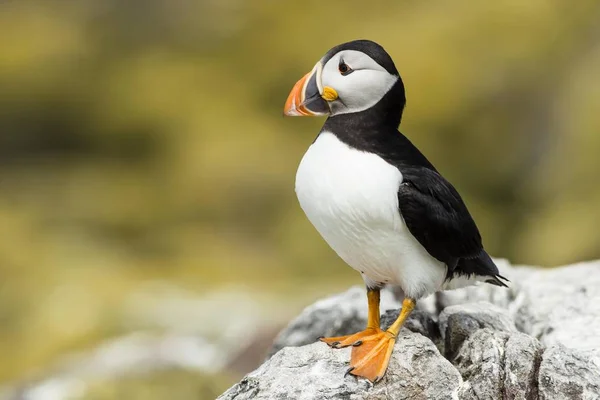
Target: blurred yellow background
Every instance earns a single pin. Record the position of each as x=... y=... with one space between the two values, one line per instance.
x=147 y=173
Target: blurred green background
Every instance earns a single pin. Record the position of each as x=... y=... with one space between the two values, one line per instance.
x=147 y=207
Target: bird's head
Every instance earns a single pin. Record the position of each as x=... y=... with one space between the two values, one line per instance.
x=352 y=77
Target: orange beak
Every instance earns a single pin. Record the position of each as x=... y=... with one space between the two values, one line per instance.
x=305 y=98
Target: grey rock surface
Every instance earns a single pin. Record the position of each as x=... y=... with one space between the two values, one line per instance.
x=458 y=322
x=562 y=306
x=522 y=358
x=540 y=339
x=480 y=364
x=567 y=374
x=551 y=304
x=316 y=371
x=499 y=365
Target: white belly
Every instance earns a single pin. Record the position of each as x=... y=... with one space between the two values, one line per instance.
x=351 y=198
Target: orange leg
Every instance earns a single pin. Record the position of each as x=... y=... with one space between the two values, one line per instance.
x=372 y=325
x=370 y=359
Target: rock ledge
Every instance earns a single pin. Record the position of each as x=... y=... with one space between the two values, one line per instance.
x=538 y=340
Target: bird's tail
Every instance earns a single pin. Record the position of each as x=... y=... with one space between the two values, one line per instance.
x=478 y=269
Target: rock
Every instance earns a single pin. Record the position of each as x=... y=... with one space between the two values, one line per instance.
x=141 y=362
x=568 y=374
x=458 y=322
x=561 y=306
x=551 y=304
x=540 y=339
x=499 y=365
x=417 y=371
x=480 y=364
x=522 y=357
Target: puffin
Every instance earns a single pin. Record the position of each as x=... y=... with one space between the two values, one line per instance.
x=378 y=202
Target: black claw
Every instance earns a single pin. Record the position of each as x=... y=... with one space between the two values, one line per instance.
x=378 y=378
x=357 y=343
x=348 y=371
x=335 y=345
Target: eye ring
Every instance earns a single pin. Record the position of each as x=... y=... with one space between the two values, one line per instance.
x=344 y=68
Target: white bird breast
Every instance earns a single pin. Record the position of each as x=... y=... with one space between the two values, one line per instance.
x=351 y=197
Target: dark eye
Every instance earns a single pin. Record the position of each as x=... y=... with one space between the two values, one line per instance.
x=344 y=68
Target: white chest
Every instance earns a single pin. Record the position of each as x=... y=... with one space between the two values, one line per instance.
x=336 y=184
x=351 y=197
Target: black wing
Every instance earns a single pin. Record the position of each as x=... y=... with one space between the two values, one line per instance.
x=437 y=217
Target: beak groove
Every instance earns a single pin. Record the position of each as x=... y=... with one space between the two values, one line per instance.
x=294 y=104
x=305 y=98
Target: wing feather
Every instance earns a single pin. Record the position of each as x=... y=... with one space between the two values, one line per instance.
x=437 y=217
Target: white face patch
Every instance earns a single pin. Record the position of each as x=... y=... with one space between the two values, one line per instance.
x=362 y=88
